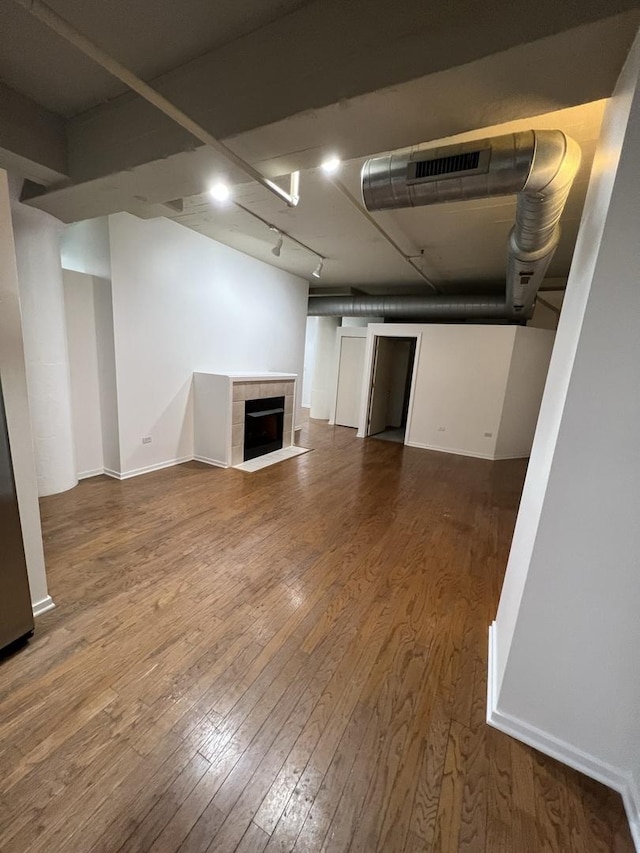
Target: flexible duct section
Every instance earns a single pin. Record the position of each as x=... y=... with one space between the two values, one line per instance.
x=538 y=165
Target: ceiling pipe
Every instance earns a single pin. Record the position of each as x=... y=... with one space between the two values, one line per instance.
x=361 y=210
x=65 y=30
x=431 y=308
x=538 y=165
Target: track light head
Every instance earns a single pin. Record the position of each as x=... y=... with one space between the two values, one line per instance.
x=278 y=247
x=318 y=270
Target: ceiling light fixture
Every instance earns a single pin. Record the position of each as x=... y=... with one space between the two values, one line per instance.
x=220 y=192
x=318 y=270
x=331 y=165
x=278 y=247
x=279 y=231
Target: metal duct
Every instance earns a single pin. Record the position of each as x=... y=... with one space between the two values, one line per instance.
x=538 y=165
x=412 y=307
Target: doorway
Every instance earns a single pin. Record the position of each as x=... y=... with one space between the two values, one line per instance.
x=393 y=364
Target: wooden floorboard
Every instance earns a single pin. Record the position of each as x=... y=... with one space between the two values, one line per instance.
x=291 y=659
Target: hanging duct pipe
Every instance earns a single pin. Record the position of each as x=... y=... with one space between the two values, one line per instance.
x=411 y=307
x=538 y=165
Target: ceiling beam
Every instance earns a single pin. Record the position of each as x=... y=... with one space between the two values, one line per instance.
x=357 y=47
x=124 y=154
x=33 y=141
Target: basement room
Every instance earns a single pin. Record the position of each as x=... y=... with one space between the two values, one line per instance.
x=313 y=538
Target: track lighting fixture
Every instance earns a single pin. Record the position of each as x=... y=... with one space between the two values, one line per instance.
x=318 y=270
x=278 y=247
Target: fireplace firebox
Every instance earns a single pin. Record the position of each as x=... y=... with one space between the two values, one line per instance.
x=263 y=426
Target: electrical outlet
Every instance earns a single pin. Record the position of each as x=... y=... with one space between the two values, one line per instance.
x=441 y=429
x=146 y=439
x=488 y=435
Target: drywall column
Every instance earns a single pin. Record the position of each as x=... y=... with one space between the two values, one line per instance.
x=564 y=673
x=323 y=368
x=86 y=248
x=37 y=240
x=14 y=384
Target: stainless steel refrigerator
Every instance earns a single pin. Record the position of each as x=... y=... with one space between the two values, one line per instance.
x=16 y=616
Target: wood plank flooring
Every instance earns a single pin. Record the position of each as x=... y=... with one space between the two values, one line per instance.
x=288 y=660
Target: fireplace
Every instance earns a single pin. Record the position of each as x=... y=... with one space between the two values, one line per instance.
x=263 y=426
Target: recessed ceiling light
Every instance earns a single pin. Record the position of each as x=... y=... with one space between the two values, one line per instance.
x=331 y=165
x=220 y=192
x=318 y=270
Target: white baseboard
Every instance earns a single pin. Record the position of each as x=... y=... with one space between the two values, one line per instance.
x=453 y=450
x=207 y=461
x=84 y=475
x=42 y=606
x=510 y=456
x=567 y=753
x=136 y=472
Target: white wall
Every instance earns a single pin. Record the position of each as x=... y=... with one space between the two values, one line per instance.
x=184 y=303
x=565 y=642
x=462 y=373
x=85 y=377
x=14 y=383
x=310 y=342
x=460 y=377
x=523 y=395
x=324 y=368
x=37 y=243
x=461 y=399
x=85 y=247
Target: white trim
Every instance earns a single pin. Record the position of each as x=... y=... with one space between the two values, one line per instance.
x=488 y=456
x=84 y=475
x=215 y=462
x=136 y=472
x=42 y=606
x=502 y=458
x=620 y=780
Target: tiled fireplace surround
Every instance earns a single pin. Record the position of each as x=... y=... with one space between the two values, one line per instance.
x=220 y=410
x=242 y=391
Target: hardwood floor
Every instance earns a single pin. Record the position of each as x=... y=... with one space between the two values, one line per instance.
x=293 y=659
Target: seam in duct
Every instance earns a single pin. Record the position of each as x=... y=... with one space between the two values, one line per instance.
x=538 y=165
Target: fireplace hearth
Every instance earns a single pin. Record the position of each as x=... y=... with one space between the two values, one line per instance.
x=263 y=426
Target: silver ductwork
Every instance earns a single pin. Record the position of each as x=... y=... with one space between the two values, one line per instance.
x=537 y=165
x=412 y=307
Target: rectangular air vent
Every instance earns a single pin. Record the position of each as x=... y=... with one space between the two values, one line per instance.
x=447 y=165
x=437 y=168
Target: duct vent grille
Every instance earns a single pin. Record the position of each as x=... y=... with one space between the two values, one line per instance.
x=466 y=162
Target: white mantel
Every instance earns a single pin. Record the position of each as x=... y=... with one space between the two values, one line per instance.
x=219 y=411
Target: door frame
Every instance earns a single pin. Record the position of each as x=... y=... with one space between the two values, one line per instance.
x=386 y=331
